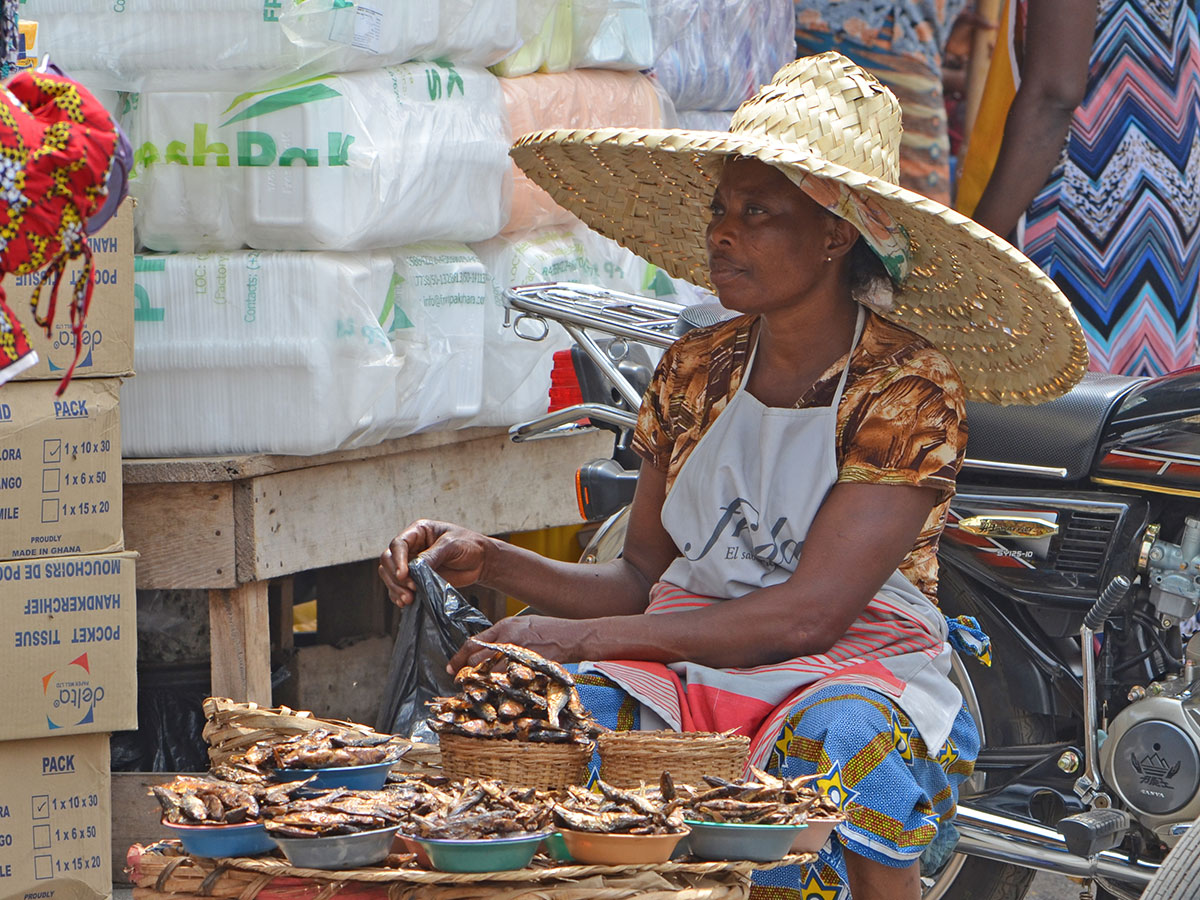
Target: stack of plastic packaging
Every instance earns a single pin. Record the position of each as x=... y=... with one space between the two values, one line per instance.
x=579 y=34
x=726 y=50
x=172 y=45
x=325 y=254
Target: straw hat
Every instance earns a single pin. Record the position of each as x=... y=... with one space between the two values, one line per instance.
x=1003 y=323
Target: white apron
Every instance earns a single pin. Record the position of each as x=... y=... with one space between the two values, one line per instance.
x=739 y=511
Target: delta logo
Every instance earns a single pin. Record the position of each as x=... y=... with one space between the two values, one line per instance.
x=71 y=696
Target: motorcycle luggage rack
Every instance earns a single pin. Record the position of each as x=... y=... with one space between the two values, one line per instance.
x=580 y=309
x=610 y=312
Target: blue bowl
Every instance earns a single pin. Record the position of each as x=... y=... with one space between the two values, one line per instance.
x=358 y=778
x=247 y=839
x=499 y=854
x=731 y=840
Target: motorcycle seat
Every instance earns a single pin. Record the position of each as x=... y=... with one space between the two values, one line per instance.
x=1064 y=433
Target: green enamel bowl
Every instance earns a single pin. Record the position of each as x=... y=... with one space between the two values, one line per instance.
x=499 y=854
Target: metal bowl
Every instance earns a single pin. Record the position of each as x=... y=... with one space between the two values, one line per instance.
x=498 y=854
x=357 y=778
x=731 y=840
x=245 y=839
x=620 y=849
x=342 y=851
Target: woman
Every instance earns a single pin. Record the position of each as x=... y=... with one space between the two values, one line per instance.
x=798 y=460
x=1094 y=167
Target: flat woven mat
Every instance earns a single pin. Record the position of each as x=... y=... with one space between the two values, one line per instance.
x=162 y=871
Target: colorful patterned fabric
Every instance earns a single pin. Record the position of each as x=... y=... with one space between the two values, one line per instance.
x=901 y=420
x=900 y=42
x=1117 y=226
x=897 y=796
x=57 y=145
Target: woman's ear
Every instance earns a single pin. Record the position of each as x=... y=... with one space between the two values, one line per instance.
x=840 y=237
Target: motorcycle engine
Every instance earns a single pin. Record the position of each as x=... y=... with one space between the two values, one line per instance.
x=1151 y=756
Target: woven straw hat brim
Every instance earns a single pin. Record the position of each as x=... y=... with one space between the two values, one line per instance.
x=1005 y=325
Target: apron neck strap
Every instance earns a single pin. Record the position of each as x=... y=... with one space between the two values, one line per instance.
x=858 y=330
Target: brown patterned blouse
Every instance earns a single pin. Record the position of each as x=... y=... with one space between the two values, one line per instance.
x=901 y=419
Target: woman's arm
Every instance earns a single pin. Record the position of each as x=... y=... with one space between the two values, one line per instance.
x=619 y=587
x=860 y=536
x=1054 y=72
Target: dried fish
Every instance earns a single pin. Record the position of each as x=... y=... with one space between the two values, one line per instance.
x=761 y=799
x=616 y=811
x=189 y=800
x=515 y=693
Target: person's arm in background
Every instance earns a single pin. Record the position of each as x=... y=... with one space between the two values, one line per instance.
x=1054 y=73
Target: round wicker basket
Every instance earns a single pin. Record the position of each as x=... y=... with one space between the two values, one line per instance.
x=631 y=758
x=545 y=766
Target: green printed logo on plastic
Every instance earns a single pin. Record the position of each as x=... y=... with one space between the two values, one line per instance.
x=142 y=310
x=391 y=308
x=658 y=281
x=253 y=148
x=433 y=80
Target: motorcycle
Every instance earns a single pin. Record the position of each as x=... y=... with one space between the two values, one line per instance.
x=1074 y=539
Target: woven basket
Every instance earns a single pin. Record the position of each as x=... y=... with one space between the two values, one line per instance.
x=631 y=758
x=231 y=726
x=545 y=766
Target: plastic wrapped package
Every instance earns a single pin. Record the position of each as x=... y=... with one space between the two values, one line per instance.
x=584 y=98
x=516 y=371
x=549 y=47
x=623 y=38
x=181 y=45
x=347 y=162
x=437 y=326
x=705 y=119
x=228 y=344
x=727 y=50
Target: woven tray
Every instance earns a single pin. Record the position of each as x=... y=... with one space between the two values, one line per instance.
x=630 y=758
x=166 y=872
x=231 y=726
x=545 y=766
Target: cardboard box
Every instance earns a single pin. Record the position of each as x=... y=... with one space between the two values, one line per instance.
x=55 y=819
x=108 y=332
x=68 y=646
x=60 y=469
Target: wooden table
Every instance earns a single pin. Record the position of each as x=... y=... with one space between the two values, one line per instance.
x=231 y=525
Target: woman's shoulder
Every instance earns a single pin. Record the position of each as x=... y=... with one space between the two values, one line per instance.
x=712 y=345
x=888 y=349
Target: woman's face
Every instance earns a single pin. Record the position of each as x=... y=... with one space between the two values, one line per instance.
x=767 y=240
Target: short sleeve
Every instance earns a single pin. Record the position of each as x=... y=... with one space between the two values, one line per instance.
x=907 y=425
x=652 y=439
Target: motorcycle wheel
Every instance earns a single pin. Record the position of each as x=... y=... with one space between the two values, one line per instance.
x=1179 y=875
x=990 y=694
x=989 y=698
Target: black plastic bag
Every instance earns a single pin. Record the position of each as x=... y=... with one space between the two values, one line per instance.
x=431 y=631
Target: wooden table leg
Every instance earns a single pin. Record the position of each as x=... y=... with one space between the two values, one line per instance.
x=240 y=643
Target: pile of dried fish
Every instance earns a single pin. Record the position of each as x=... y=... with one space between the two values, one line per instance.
x=318 y=749
x=616 y=811
x=515 y=693
x=472 y=810
x=191 y=800
x=335 y=812
x=762 y=799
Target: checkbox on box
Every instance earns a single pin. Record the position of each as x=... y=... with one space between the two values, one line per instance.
x=51 y=481
x=52 y=450
x=41 y=806
x=41 y=837
x=43 y=867
x=49 y=511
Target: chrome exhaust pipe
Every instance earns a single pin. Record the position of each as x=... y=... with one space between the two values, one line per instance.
x=1035 y=846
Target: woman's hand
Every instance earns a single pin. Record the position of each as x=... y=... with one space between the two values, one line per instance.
x=556 y=639
x=457 y=554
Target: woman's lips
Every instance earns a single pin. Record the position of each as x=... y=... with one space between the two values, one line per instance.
x=720 y=270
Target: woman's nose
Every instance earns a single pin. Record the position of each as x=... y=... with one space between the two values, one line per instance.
x=720 y=232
